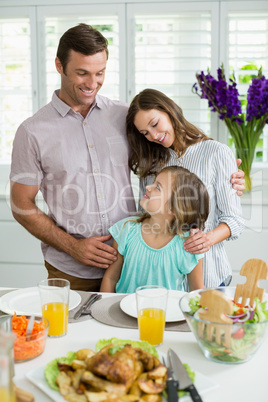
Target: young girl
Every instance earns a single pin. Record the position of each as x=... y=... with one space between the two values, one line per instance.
x=150 y=248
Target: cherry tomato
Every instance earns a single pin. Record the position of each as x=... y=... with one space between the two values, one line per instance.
x=239 y=334
x=239 y=311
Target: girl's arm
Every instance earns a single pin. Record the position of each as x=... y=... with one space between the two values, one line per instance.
x=195 y=277
x=112 y=274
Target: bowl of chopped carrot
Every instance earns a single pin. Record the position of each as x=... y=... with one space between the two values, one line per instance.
x=30 y=346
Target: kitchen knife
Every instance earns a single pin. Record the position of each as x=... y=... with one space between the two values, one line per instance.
x=94 y=297
x=180 y=374
x=172 y=384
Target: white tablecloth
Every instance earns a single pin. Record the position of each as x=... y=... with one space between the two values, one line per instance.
x=245 y=382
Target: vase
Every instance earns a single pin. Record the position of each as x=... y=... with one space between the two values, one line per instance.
x=248 y=182
x=247 y=157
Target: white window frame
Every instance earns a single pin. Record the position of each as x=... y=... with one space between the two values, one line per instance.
x=22 y=12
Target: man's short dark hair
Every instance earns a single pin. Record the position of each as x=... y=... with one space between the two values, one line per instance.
x=82 y=38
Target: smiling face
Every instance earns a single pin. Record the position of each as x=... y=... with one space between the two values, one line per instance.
x=82 y=79
x=156 y=126
x=157 y=196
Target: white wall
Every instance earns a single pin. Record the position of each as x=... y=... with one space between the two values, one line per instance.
x=21 y=259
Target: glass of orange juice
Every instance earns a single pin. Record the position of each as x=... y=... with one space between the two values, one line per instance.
x=54 y=296
x=151 y=309
x=7 y=390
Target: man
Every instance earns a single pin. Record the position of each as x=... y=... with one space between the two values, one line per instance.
x=75 y=151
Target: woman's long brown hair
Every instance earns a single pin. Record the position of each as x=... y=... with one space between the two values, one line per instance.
x=148 y=157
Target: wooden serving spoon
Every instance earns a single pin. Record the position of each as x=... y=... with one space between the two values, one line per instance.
x=217 y=306
x=254 y=270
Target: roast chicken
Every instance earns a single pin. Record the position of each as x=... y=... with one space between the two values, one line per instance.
x=113 y=374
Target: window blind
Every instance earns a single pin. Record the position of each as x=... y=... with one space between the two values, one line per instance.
x=54 y=29
x=15 y=80
x=169 y=50
x=247 y=51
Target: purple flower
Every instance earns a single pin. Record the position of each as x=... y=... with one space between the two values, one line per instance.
x=222 y=98
x=257 y=97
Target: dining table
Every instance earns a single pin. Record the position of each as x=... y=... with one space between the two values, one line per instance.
x=222 y=382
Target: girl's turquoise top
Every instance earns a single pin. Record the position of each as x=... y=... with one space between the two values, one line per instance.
x=144 y=265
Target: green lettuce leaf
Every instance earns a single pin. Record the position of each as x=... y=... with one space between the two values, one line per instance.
x=51 y=369
x=261 y=311
x=194 y=304
x=181 y=393
x=120 y=342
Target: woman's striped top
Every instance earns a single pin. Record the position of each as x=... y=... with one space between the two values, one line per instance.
x=214 y=163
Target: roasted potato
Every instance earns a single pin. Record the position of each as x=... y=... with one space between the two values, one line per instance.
x=82 y=354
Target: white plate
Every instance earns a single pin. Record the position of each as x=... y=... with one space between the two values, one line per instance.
x=26 y=301
x=174 y=313
x=36 y=376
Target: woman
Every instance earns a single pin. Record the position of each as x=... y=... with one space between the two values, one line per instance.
x=159 y=136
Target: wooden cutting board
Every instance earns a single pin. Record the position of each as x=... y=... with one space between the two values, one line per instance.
x=23 y=396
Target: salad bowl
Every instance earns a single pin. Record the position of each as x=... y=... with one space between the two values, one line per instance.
x=28 y=346
x=248 y=327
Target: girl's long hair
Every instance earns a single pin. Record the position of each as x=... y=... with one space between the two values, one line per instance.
x=189 y=201
x=148 y=157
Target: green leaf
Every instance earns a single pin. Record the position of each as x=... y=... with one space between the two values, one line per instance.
x=121 y=342
x=51 y=369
